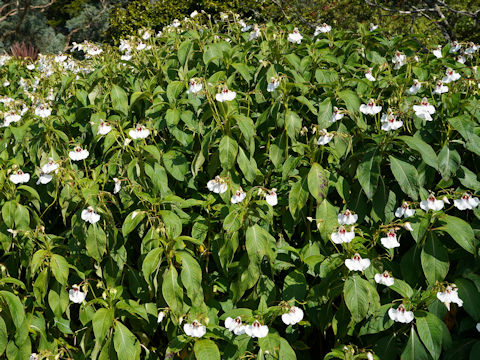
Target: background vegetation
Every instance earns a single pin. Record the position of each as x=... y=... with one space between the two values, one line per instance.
x=53 y=24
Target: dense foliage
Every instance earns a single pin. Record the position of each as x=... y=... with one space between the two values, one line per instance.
x=152 y=195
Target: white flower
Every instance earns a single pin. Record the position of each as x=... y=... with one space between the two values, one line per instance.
x=472 y=48
x=195 y=329
x=256 y=330
x=44 y=178
x=440 y=88
x=90 y=216
x=370 y=108
x=271 y=197
x=445 y=200
x=450 y=295
x=400 y=315
x=373 y=27
x=239 y=196
x=336 y=115
x=193 y=14
x=161 y=316
x=126 y=57
x=415 y=87
x=235 y=325
x=408 y=226
x=94 y=50
x=369 y=75
x=78 y=154
x=322 y=29
x=342 y=235
x=11 y=117
x=431 y=204
x=147 y=34
x=60 y=58
x=43 y=111
x=461 y=59
x=295 y=37
x=76 y=295
x=118 y=185
x=217 y=185
x=30 y=66
x=399 y=60
x=6 y=83
x=390 y=241
x=478 y=327
x=347 y=218
x=194 y=87
x=437 y=52
x=244 y=26
x=175 y=23
x=424 y=110
x=273 y=84
x=141 y=46
x=390 y=122
x=33 y=356
x=294 y=316
x=104 y=128
x=50 y=166
x=325 y=137
x=369 y=356
x=404 y=211
x=140 y=132
x=450 y=76
x=255 y=33
x=225 y=95
x=356 y=263
x=454 y=47
x=384 y=279
x=19 y=177
x=466 y=202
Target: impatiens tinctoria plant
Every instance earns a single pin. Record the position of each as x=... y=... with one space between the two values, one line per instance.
x=230 y=190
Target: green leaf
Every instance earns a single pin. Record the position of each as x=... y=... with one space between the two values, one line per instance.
x=8 y=213
x=293 y=124
x=406 y=176
x=206 y=350
x=368 y=172
x=460 y=231
x=176 y=164
x=431 y=331
x=151 y=262
x=228 y=149
x=15 y=306
x=259 y=243
x=102 y=322
x=295 y=286
x=448 y=162
x=172 y=291
x=125 y=343
x=184 y=51
x=414 y=349
x=465 y=126
x=434 y=258
x=96 y=242
x=243 y=70
x=298 y=196
x=318 y=182
x=191 y=276
x=327 y=220
x=468 y=292
x=3 y=336
x=246 y=126
x=173 y=224
x=174 y=89
x=59 y=267
x=425 y=150
x=119 y=100
x=131 y=221
x=356 y=294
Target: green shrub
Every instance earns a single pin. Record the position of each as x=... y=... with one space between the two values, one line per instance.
x=128 y=230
